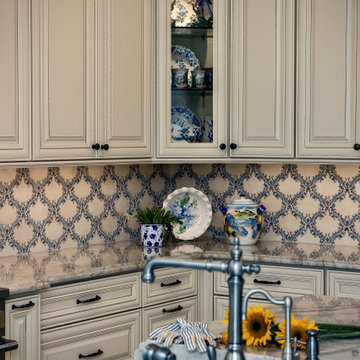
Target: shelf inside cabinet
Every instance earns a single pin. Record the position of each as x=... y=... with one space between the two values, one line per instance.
x=184 y=32
x=193 y=91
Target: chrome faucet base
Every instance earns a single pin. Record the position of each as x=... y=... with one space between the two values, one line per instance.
x=235 y=353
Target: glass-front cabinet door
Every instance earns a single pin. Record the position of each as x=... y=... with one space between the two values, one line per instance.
x=191 y=78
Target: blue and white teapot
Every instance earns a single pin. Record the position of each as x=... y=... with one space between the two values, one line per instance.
x=243 y=218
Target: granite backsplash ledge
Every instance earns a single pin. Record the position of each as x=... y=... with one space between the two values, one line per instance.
x=60 y=207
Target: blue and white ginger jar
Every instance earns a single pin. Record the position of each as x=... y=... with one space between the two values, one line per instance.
x=243 y=219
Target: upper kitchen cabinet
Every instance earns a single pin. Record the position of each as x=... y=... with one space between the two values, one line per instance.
x=92 y=78
x=15 y=78
x=328 y=111
x=209 y=47
x=262 y=78
x=192 y=78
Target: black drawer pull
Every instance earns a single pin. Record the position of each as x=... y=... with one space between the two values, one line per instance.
x=177 y=282
x=179 y=308
x=99 y=352
x=29 y=304
x=256 y=281
x=96 y=298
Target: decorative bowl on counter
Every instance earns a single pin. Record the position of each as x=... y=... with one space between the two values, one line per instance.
x=243 y=218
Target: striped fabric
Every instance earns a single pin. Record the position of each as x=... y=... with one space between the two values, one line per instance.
x=194 y=335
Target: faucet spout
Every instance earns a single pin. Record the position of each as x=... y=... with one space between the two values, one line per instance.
x=148 y=274
x=287 y=353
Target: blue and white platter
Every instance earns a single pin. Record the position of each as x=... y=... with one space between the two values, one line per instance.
x=185 y=125
x=183 y=58
x=193 y=208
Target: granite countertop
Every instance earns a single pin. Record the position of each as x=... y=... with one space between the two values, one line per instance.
x=28 y=273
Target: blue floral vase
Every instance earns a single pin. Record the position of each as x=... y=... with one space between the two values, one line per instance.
x=152 y=235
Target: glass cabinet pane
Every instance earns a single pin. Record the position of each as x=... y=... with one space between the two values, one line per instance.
x=192 y=71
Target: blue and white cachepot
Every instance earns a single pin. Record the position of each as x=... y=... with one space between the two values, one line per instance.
x=152 y=235
x=243 y=218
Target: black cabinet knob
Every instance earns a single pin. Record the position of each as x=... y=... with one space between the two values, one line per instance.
x=95 y=146
x=233 y=146
x=105 y=147
x=357 y=146
x=222 y=146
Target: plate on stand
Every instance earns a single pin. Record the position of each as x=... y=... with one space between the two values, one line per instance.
x=184 y=58
x=185 y=125
x=193 y=208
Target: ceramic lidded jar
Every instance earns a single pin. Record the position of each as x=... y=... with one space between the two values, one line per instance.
x=243 y=218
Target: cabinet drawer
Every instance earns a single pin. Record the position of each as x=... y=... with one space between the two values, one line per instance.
x=278 y=280
x=341 y=283
x=83 y=301
x=113 y=337
x=170 y=284
x=165 y=314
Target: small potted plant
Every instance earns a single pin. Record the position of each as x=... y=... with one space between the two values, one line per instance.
x=153 y=223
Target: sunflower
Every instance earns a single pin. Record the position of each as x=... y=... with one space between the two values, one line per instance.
x=257 y=327
x=298 y=330
x=225 y=335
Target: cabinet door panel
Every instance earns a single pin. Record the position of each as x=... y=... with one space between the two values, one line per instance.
x=262 y=78
x=15 y=80
x=22 y=325
x=327 y=48
x=209 y=107
x=64 y=74
x=126 y=83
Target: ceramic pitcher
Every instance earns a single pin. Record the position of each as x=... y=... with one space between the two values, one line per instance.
x=243 y=218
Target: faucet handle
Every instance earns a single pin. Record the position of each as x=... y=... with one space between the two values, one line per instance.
x=249 y=269
x=312 y=345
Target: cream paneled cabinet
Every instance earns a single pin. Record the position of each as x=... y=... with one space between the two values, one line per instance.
x=92 y=68
x=247 y=109
x=15 y=78
x=328 y=77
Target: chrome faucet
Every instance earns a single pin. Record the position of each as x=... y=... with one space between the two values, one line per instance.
x=287 y=353
x=235 y=269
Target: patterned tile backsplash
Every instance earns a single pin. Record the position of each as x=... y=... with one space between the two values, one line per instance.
x=50 y=208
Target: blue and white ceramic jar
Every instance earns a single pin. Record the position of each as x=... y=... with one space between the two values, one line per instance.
x=152 y=235
x=243 y=218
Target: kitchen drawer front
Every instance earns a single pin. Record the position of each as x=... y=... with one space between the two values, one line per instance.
x=157 y=316
x=279 y=281
x=341 y=283
x=60 y=305
x=112 y=337
x=170 y=284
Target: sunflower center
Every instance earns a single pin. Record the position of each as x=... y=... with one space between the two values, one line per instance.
x=256 y=326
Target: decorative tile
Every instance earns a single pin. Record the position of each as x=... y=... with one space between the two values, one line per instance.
x=50 y=208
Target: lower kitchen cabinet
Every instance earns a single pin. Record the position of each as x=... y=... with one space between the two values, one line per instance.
x=22 y=325
x=342 y=283
x=112 y=337
x=165 y=314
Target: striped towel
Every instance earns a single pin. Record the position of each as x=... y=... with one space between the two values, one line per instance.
x=195 y=335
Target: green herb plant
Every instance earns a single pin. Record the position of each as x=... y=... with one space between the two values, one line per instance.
x=158 y=216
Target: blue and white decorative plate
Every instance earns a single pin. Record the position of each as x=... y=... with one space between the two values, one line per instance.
x=184 y=12
x=193 y=208
x=185 y=125
x=184 y=58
